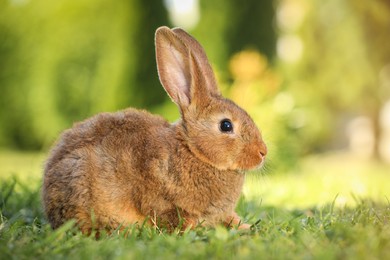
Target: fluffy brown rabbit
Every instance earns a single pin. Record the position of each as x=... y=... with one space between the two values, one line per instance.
x=117 y=169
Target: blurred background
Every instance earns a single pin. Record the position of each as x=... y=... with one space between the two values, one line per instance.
x=315 y=75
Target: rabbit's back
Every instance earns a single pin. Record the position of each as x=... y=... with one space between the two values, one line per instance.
x=101 y=167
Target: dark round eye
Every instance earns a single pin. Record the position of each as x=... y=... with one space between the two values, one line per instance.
x=226 y=126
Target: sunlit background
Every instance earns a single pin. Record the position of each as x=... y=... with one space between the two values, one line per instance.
x=314 y=75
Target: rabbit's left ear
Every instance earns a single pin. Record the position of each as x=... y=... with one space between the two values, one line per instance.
x=183 y=68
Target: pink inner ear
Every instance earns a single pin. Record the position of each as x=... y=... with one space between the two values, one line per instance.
x=182 y=74
x=177 y=89
x=175 y=73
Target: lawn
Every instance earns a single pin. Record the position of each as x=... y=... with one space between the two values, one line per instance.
x=330 y=207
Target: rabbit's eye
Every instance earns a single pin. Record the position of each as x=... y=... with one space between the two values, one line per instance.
x=226 y=126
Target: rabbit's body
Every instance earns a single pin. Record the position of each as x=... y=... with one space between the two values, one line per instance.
x=121 y=168
x=109 y=183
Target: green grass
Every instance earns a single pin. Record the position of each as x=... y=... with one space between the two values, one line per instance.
x=296 y=216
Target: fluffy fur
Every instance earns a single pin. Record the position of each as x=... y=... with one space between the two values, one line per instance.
x=121 y=168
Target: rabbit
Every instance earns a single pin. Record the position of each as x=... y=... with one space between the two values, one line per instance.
x=132 y=167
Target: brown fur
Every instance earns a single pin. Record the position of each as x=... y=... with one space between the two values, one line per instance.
x=116 y=169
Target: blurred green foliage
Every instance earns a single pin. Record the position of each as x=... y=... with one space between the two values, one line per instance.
x=62 y=61
x=346 y=50
x=297 y=66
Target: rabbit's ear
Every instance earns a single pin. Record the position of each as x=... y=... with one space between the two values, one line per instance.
x=173 y=65
x=182 y=69
x=202 y=59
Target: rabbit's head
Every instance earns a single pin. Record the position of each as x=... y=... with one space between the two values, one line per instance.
x=215 y=129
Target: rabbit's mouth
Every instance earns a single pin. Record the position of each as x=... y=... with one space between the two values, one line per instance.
x=247 y=163
x=261 y=165
x=252 y=157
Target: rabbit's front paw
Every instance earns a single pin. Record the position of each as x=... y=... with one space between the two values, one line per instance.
x=235 y=221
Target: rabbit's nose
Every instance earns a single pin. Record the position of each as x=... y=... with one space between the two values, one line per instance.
x=263 y=149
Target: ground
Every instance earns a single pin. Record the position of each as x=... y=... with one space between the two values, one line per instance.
x=331 y=206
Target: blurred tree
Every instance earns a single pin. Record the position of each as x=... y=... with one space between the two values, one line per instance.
x=63 y=61
x=375 y=23
x=145 y=91
x=337 y=74
x=250 y=24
